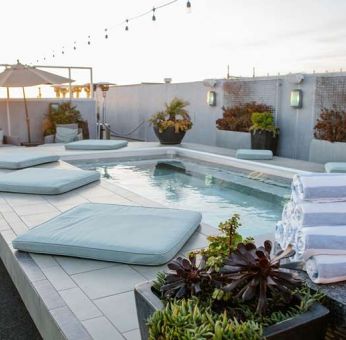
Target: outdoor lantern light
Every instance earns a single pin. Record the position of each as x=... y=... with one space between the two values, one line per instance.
x=211 y=98
x=296 y=99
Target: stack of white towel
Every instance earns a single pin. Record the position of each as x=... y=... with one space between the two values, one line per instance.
x=314 y=222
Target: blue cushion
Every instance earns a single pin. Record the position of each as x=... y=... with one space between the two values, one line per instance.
x=252 y=154
x=46 y=181
x=117 y=233
x=20 y=159
x=335 y=167
x=96 y=144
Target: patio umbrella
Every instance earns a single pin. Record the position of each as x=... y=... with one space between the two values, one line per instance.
x=20 y=75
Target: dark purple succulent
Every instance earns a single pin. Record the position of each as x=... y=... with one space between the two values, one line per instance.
x=250 y=273
x=185 y=278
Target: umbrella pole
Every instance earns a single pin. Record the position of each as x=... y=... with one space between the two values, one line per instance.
x=27 y=116
x=9 y=132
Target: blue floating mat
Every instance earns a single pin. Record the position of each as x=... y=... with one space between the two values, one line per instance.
x=252 y=154
x=46 y=181
x=96 y=144
x=117 y=233
x=18 y=159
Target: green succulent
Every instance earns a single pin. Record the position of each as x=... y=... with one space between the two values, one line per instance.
x=188 y=319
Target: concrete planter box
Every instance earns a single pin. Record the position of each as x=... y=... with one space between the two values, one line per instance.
x=322 y=151
x=233 y=139
x=311 y=325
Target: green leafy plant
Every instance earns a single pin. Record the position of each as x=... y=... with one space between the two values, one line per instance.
x=331 y=125
x=252 y=274
x=263 y=121
x=188 y=319
x=221 y=246
x=238 y=117
x=174 y=116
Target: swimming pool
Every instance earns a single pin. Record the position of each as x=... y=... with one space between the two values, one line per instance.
x=216 y=191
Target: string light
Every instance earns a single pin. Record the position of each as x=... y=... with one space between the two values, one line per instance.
x=188 y=6
x=148 y=12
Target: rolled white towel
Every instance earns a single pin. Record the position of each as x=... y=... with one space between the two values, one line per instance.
x=321 y=187
x=326 y=268
x=288 y=210
x=324 y=240
x=308 y=214
x=279 y=233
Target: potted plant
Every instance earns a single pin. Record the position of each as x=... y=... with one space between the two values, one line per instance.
x=264 y=132
x=229 y=290
x=171 y=124
x=233 y=128
x=329 y=144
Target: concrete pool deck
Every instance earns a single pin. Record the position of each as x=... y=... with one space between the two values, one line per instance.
x=70 y=298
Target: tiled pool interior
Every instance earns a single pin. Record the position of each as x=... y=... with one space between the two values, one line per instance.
x=216 y=191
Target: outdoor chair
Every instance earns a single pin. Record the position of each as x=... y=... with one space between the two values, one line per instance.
x=10 y=140
x=65 y=133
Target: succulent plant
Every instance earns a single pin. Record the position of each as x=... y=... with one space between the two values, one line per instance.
x=251 y=273
x=185 y=278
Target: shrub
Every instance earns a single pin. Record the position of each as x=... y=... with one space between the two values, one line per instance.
x=263 y=121
x=331 y=125
x=238 y=117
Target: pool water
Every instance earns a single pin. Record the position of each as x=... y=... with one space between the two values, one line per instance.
x=217 y=192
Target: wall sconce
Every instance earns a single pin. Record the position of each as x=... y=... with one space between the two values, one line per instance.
x=211 y=98
x=296 y=99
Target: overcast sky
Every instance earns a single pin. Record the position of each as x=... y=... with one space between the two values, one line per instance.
x=271 y=35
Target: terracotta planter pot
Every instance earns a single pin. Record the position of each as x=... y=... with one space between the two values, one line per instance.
x=169 y=136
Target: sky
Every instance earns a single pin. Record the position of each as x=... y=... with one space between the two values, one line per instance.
x=274 y=36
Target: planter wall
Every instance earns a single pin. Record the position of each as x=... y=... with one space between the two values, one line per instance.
x=233 y=139
x=311 y=325
x=322 y=151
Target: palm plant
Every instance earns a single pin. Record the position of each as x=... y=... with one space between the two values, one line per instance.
x=175 y=115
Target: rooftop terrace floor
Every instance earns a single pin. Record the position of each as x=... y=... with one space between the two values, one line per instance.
x=85 y=299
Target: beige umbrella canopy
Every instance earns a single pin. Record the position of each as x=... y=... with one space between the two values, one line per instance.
x=20 y=75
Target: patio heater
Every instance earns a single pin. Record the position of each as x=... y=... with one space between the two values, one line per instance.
x=103 y=128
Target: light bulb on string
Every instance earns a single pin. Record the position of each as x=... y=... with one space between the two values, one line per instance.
x=106 y=33
x=53 y=54
x=127 y=26
x=62 y=51
x=153 y=17
x=188 y=6
x=89 y=40
x=74 y=45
